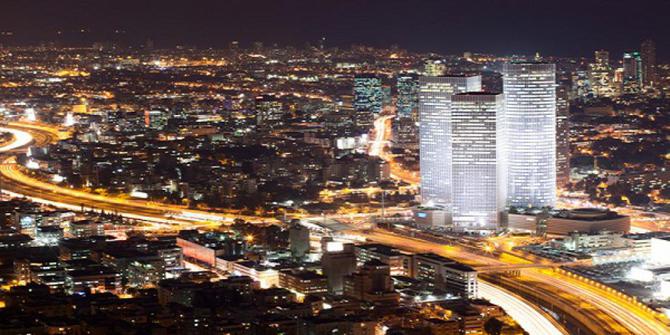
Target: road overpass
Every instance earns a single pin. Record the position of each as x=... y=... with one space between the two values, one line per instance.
x=607 y=307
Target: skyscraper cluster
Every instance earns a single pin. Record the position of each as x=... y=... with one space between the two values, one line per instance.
x=435 y=133
x=637 y=73
x=481 y=152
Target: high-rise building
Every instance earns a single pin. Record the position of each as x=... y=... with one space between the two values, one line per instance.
x=407 y=101
x=269 y=111
x=530 y=119
x=405 y=129
x=405 y=134
x=298 y=236
x=434 y=67
x=368 y=99
x=562 y=136
x=581 y=85
x=600 y=75
x=435 y=134
x=478 y=167
x=648 y=54
x=632 y=72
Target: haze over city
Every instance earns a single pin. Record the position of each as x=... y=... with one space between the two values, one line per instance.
x=334 y=167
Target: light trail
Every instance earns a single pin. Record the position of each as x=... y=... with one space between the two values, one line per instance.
x=630 y=314
x=381 y=135
x=529 y=318
x=378 y=148
x=21 y=139
x=9 y=169
x=162 y=221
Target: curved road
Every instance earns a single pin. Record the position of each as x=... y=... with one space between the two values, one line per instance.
x=630 y=315
x=20 y=139
x=530 y=318
x=16 y=182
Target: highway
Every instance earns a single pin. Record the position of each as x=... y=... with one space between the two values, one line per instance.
x=383 y=132
x=629 y=315
x=632 y=316
x=16 y=182
x=20 y=139
x=533 y=320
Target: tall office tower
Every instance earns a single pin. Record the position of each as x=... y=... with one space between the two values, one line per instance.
x=435 y=134
x=405 y=129
x=269 y=111
x=600 y=75
x=434 y=67
x=648 y=53
x=632 y=72
x=298 y=236
x=562 y=136
x=581 y=85
x=408 y=97
x=368 y=98
x=530 y=118
x=478 y=166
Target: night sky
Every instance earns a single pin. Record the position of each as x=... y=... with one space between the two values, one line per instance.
x=564 y=28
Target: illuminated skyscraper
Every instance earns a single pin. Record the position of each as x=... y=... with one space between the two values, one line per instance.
x=435 y=133
x=581 y=85
x=600 y=75
x=405 y=129
x=368 y=98
x=408 y=97
x=434 y=67
x=269 y=111
x=632 y=72
x=562 y=136
x=648 y=53
x=478 y=167
x=530 y=118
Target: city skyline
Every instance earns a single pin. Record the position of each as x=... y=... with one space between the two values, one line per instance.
x=213 y=24
x=330 y=167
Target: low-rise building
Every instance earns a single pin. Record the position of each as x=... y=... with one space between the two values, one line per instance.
x=303 y=281
x=399 y=262
x=447 y=274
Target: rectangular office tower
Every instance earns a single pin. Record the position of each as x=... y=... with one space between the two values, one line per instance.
x=368 y=99
x=562 y=137
x=478 y=166
x=530 y=119
x=407 y=85
x=435 y=134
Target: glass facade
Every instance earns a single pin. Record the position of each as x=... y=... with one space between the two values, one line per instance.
x=407 y=102
x=530 y=118
x=368 y=99
x=478 y=166
x=632 y=72
x=435 y=134
x=562 y=136
x=600 y=75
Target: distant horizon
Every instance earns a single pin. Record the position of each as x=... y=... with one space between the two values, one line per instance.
x=138 y=46
x=569 y=28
